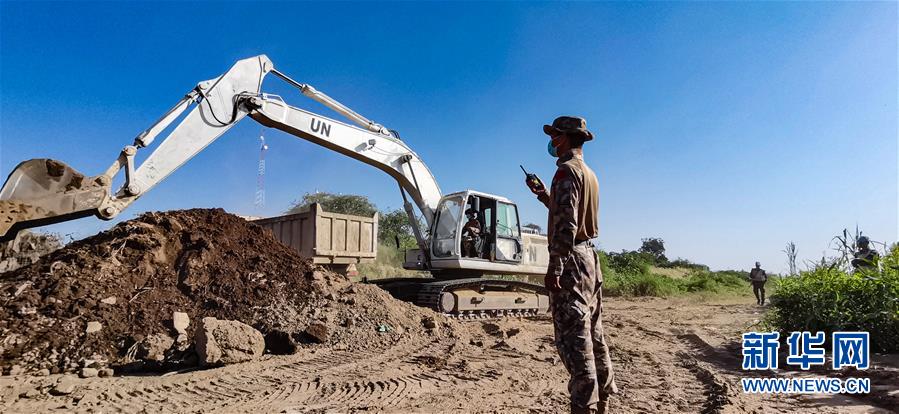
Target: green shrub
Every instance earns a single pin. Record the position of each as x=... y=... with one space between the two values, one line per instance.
x=655 y=285
x=650 y=284
x=604 y=263
x=716 y=282
x=612 y=285
x=829 y=299
x=640 y=284
x=684 y=263
x=700 y=284
x=630 y=263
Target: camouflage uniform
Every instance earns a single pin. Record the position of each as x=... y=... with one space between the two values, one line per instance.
x=573 y=203
x=758 y=278
x=470 y=232
x=865 y=258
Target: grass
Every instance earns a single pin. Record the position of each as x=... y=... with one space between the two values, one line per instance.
x=632 y=274
x=661 y=285
x=389 y=263
x=672 y=272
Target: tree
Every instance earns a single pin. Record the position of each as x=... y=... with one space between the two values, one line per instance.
x=395 y=224
x=335 y=203
x=630 y=262
x=791 y=257
x=655 y=247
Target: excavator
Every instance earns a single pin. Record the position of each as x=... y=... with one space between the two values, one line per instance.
x=39 y=192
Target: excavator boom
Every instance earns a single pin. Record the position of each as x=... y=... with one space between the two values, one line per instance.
x=40 y=192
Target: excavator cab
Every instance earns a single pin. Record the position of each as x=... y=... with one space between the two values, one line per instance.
x=498 y=244
x=501 y=248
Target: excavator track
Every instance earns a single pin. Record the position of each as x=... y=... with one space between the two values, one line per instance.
x=473 y=298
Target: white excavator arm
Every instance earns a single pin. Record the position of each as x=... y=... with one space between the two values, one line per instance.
x=384 y=151
x=44 y=191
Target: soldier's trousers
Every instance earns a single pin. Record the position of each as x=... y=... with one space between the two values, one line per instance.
x=577 y=319
x=758 y=287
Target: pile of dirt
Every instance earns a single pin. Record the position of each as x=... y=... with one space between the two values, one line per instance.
x=26 y=249
x=96 y=298
x=351 y=316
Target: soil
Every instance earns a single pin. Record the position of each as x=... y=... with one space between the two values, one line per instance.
x=670 y=356
x=26 y=248
x=204 y=262
x=352 y=347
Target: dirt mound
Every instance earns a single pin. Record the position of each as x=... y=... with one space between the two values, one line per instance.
x=129 y=281
x=26 y=249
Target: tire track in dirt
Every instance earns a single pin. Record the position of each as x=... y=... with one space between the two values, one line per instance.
x=330 y=378
x=716 y=389
x=695 y=356
x=349 y=395
x=650 y=368
x=669 y=357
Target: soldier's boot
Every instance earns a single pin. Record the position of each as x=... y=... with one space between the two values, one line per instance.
x=762 y=300
x=602 y=407
x=583 y=410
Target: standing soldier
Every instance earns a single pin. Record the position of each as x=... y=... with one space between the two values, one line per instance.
x=573 y=278
x=758 y=277
x=865 y=257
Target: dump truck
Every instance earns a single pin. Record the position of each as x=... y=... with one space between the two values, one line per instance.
x=336 y=241
x=45 y=191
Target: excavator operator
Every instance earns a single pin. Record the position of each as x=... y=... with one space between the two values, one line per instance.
x=471 y=234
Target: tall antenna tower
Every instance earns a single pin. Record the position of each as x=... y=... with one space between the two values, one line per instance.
x=259 y=201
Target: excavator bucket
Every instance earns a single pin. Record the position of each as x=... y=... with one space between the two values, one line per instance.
x=39 y=192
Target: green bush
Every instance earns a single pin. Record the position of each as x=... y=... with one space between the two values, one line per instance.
x=630 y=263
x=648 y=284
x=604 y=263
x=829 y=299
x=716 y=282
x=655 y=285
x=686 y=264
x=640 y=285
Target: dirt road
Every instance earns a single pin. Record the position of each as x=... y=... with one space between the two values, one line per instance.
x=671 y=356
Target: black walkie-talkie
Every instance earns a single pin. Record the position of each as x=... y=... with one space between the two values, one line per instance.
x=532 y=179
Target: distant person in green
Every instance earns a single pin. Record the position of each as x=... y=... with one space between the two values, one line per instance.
x=865 y=256
x=758 y=277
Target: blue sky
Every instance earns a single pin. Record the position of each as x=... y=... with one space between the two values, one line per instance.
x=727 y=129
